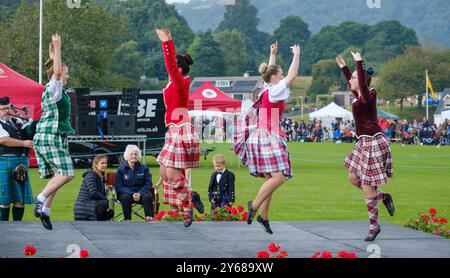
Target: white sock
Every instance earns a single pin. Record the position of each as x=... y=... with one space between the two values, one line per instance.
x=46 y=210
x=41 y=198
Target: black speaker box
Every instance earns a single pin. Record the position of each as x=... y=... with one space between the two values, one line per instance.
x=121 y=125
x=88 y=125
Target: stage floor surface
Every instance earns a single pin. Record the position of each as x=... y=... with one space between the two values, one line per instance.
x=216 y=239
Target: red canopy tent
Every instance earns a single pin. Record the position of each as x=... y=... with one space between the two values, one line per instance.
x=208 y=97
x=22 y=92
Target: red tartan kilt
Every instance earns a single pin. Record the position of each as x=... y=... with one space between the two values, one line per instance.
x=177 y=196
x=371 y=160
x=265 y=153
x=181 y=149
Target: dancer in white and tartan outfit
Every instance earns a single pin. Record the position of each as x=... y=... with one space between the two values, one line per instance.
x=50 y=141
x=370 y=162
x=264 y=150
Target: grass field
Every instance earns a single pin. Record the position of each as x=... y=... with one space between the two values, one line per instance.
x=319 y=189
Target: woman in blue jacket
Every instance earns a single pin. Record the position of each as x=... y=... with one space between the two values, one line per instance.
x=134 y=183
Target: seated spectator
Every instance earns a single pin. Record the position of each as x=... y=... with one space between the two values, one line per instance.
x=444 y=140
x=92 y=203
x=427 y=137
x=337 y=135
x=134 y=183
x=406 y=138
x=326 y=134
x=348 y=136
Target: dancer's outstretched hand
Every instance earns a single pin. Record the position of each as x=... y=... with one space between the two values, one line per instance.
x=274 y=48
x=56 y=42
x=162 y=35
x=357 y=56
x=296 y=49
x=340 y=61
x=167 y=32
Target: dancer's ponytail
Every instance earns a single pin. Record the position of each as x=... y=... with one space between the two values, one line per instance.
x=267 y=71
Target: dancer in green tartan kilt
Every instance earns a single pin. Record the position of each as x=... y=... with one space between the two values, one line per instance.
x=50 y=141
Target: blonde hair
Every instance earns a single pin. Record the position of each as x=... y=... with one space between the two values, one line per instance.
x=219 y=158
x=132 y=148
x=49 y=67
x=96 y=161
x=267 y=71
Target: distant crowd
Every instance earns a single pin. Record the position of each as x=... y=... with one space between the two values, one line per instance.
x=404 y=131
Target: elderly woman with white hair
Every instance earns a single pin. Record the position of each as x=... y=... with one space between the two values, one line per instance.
x=134 y=183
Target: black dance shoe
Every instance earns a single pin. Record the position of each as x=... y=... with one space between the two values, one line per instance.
x=188 y=218
x=265 y=224
x=372 y=235
x=38 y=208
x=389 y=203
x=251 y=213
x=195 y=198
x=45 y=219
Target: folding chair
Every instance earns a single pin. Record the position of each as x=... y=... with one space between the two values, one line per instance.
x=135 y=208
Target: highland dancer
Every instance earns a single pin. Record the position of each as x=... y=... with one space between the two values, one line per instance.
x=181 y=151
x=50 y=141
x=265 y=150
x=370 y=162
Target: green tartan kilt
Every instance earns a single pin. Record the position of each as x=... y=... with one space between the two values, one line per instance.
x=52 y=153
x=12 y=191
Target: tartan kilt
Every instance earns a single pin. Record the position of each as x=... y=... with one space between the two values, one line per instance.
x=371 y=160
x=266 y=152
x=12 y=191
x=177 y=196
x=52 y=153
x=181 y=149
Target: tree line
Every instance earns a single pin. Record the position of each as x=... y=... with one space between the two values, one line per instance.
x=112 y=44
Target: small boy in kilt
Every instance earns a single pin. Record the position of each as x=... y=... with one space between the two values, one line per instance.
x=370 y=162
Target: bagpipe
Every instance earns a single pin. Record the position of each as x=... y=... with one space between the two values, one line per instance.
x=25 y=121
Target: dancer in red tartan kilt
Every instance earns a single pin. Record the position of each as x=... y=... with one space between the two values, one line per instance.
x=370 y=162
x=181 y=150
x=265 y=150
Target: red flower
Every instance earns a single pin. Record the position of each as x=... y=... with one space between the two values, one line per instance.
x=443 y=220
x=273 y=247
x=84 y=254
x=282 y=254
x=240 y=208
x=29 y=251
x=170 y=213
x=233 y=211
x=346 y=255
x=244 y=216
x=316 y=255
x=200 y=219
x=227 y=208
x=262 y=255
x=175 y=214
x=424 y=217
x=433 y=211
x=326 y=255
x=342 y=255
x=434 y=220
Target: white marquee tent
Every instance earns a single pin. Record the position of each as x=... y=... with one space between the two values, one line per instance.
x=331 y=112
